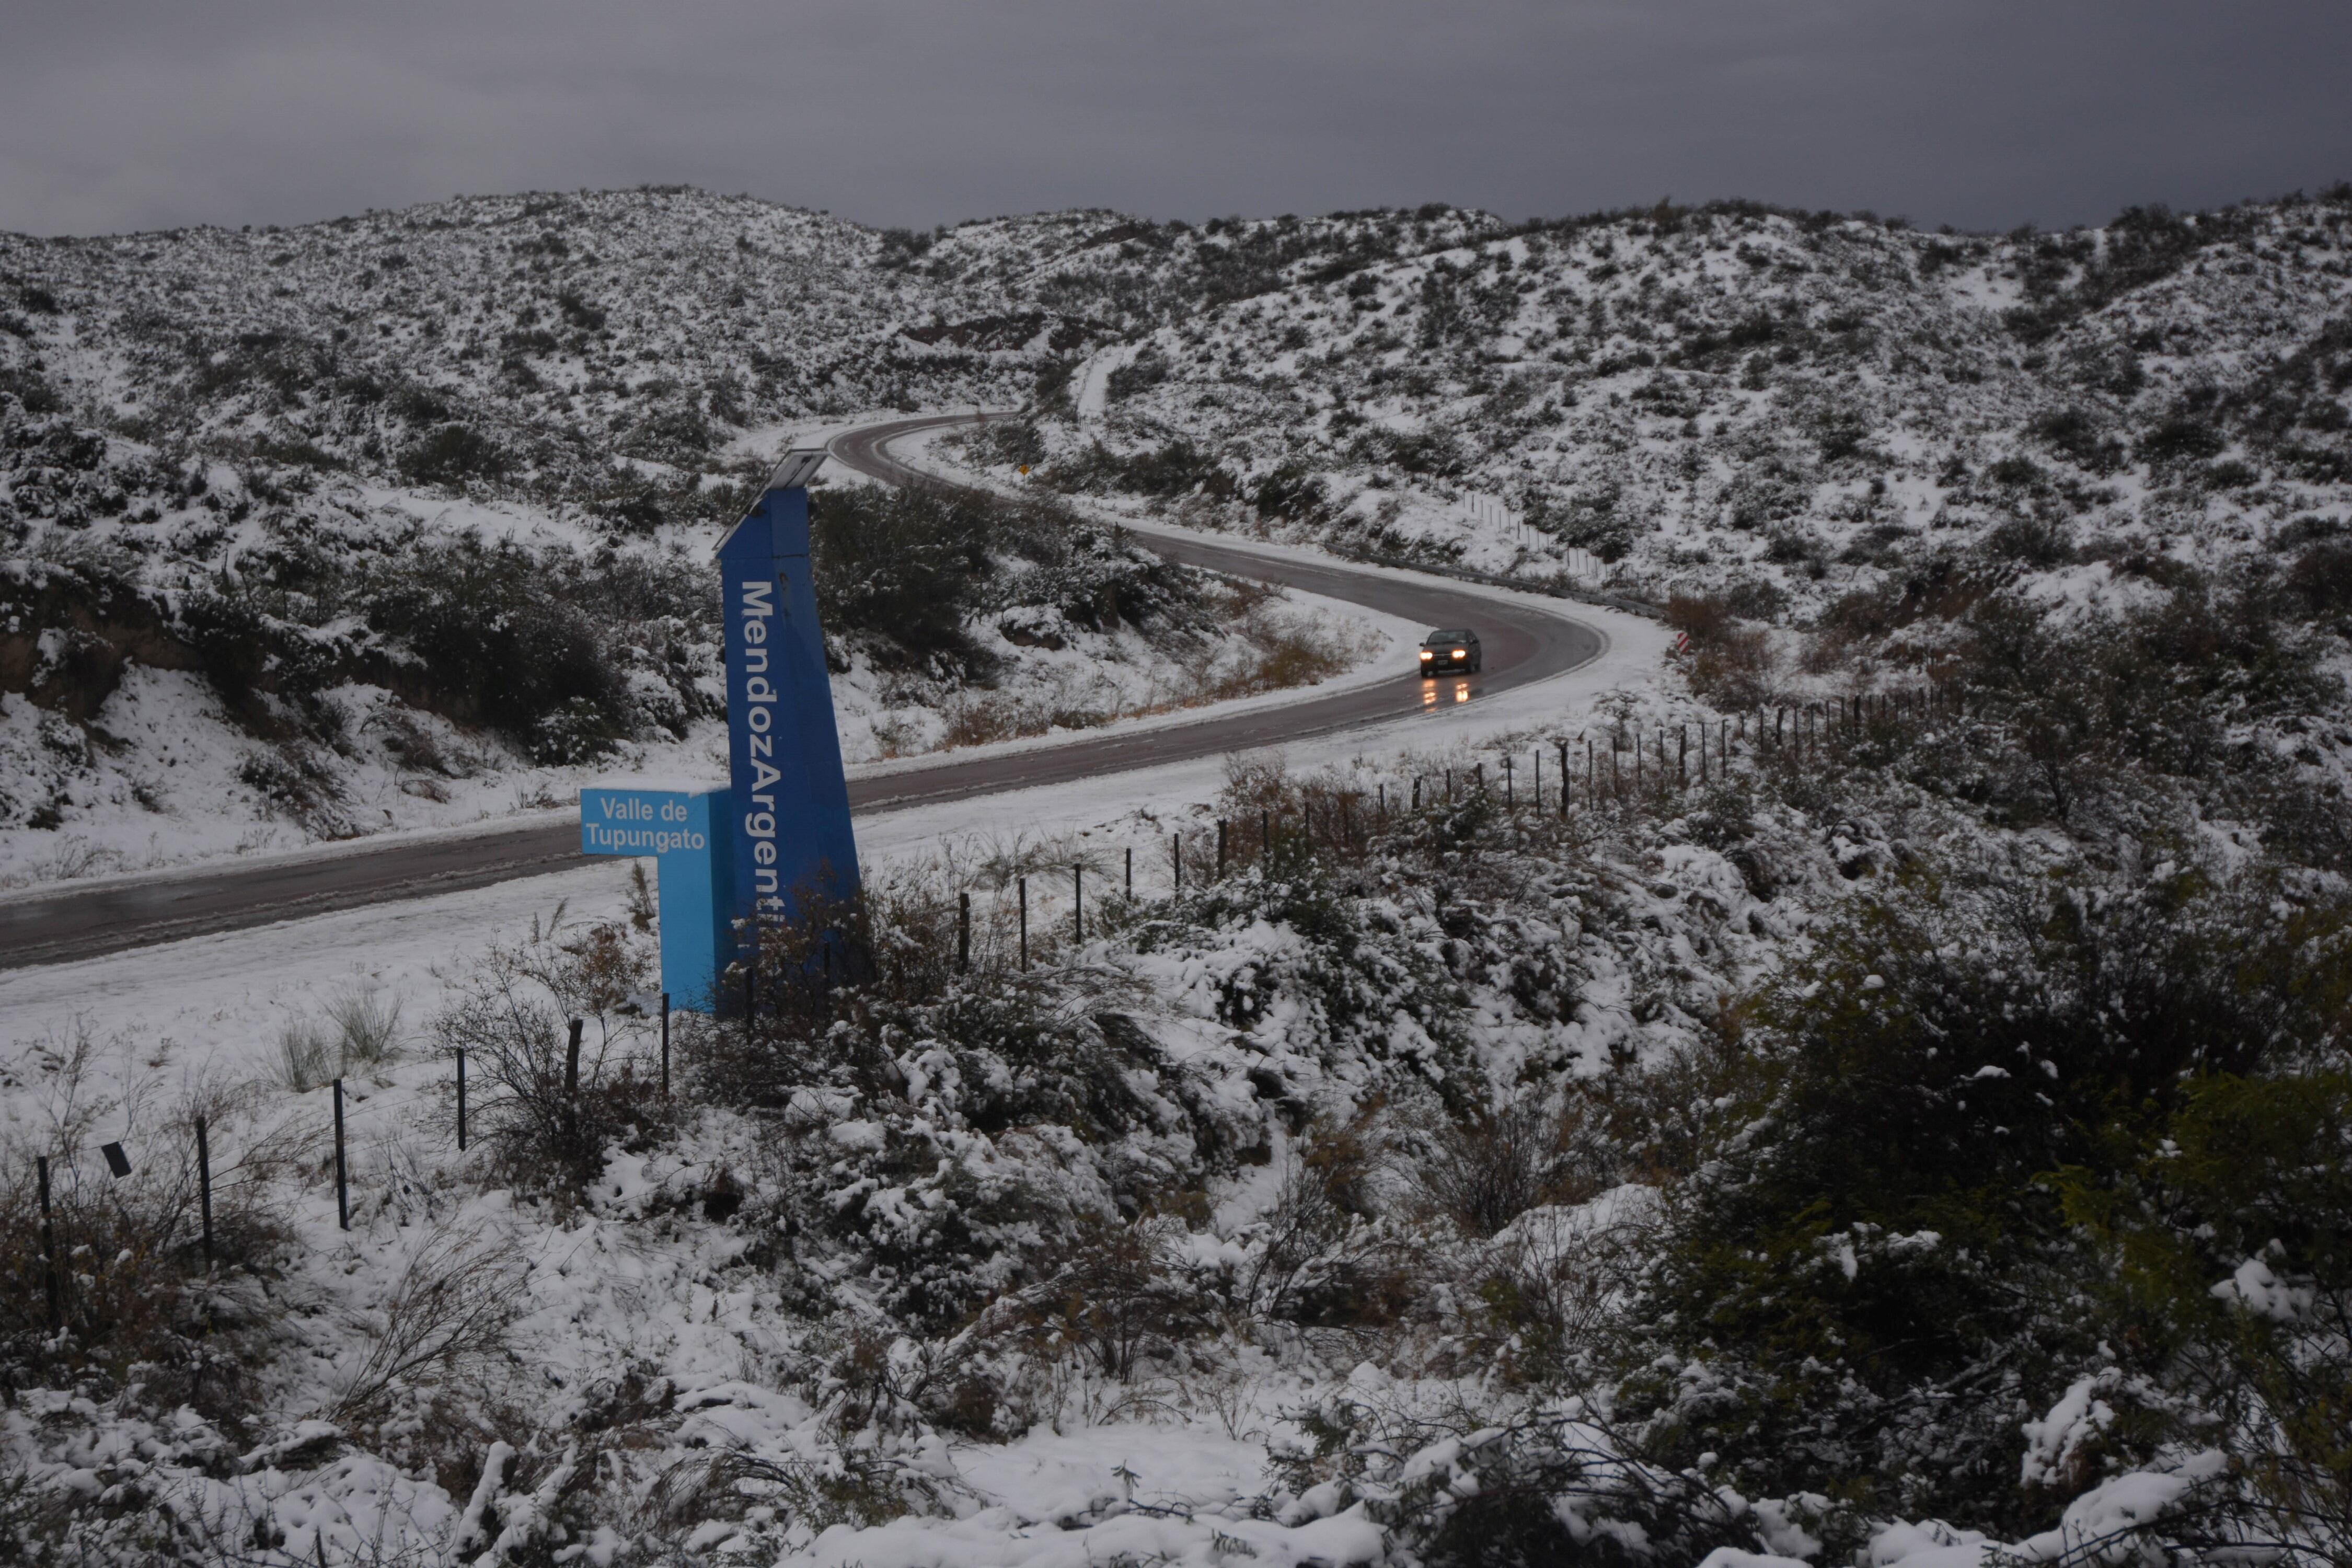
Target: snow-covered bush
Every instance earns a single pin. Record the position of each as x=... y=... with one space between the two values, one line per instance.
x=556 y=1046
x=1872 y=1269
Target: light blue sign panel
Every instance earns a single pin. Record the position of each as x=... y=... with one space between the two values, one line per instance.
x=686 y=832
x=789 y=808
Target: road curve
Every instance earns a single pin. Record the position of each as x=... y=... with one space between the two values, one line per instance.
x=1523 y=643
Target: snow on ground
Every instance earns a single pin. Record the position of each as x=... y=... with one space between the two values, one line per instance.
x=1735 y=399
x=601 y=1298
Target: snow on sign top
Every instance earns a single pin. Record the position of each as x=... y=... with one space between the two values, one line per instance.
x=797 y=468
x=792 y=471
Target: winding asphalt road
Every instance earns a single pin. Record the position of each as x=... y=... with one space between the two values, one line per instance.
x=1522 y=644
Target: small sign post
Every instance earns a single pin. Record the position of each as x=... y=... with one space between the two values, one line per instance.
x=684 y=829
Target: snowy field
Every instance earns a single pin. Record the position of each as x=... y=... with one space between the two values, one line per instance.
x=1176 y=1479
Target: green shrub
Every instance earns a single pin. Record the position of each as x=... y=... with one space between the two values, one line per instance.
x=2184 y=438
x=907 y=565
x=1872 y=1275
x=451 y=455
x=2321 y=579
x=2230 y=1244
x=494 y=638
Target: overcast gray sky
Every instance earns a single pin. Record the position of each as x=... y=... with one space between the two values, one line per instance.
x=125 y=114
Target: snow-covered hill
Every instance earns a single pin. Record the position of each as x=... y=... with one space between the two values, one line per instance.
x=325 y=485
x=401 y=518
x=1910 y=1127
x=1786 y=406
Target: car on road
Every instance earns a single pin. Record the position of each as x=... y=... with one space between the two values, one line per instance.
x=1450 y=653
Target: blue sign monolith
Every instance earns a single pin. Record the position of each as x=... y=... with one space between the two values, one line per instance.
x=778 y=834
x=789 y=809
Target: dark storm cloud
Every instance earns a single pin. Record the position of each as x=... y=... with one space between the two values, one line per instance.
x=124 y=115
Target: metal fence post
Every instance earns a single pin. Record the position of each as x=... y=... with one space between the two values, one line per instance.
x=342 y=1183
x=752 y=982
x=963 y=933
x=572 y=1082
x=1025 y=922
x=461 y=1102
x=664 y=1045
x=48 y=1245
x=204 y=1185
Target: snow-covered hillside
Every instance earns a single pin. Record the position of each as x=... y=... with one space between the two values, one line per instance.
x=272 y=467
x=402 y=520
x=1784 y=407
x=1909 y=1125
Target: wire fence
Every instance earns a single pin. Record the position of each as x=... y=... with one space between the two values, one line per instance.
x=1014 y=927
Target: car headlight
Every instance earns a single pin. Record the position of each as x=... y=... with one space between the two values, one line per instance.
x=1461 y=653
x=1426 y=653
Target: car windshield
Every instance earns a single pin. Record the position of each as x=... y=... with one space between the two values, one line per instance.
x=1443 y=637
